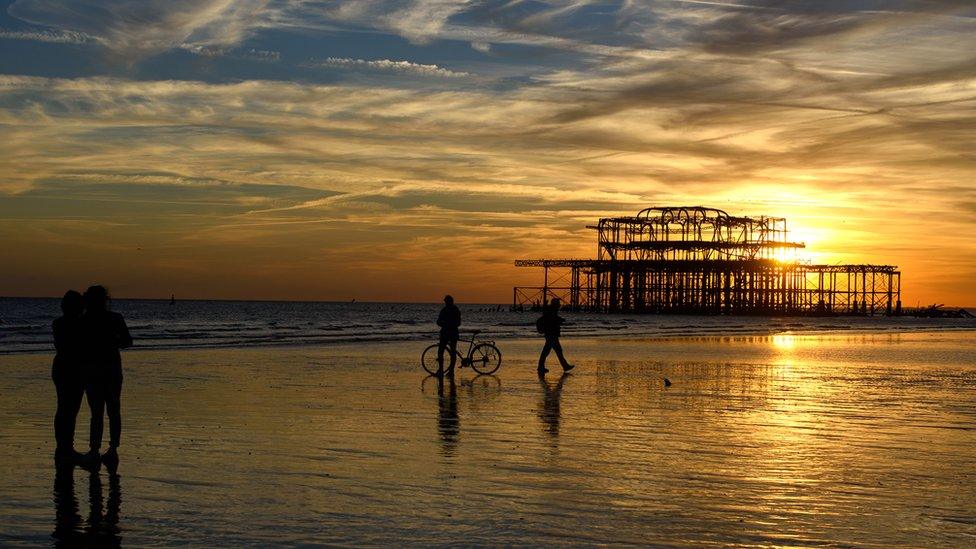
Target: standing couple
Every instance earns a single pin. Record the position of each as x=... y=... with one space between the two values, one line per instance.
x=87 y=338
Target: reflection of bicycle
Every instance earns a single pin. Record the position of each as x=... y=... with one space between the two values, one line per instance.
x=476 y=387
x=482 y=356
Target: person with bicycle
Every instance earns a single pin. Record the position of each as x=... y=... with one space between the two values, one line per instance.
x=549 y=324
x=449 y=320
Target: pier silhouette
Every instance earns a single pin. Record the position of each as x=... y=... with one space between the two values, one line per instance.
x=697 y=260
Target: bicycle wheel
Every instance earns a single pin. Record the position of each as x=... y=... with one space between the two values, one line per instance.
x=485 y=358
x=429 y=359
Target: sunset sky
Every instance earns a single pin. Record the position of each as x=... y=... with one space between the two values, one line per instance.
x=396 y=150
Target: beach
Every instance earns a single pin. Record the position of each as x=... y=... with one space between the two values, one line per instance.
x=810 y=439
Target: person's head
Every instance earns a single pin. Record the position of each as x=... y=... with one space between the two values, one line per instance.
x=448 y=300
x=72 y=304
x=96 y=298
x=555 y=304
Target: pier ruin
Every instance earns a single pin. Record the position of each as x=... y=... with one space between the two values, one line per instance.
x=697 y=260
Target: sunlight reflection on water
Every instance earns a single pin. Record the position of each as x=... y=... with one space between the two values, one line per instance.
x=779 y=440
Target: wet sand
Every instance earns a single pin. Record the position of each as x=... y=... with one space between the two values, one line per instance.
x=839 y=440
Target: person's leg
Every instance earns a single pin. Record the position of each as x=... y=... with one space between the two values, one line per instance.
x=113 y=406
x=556 y=346
x=96 y=403
x=545 y=353
x=69 y=401
x=452 y=346
x=60 y=416
x=441 y=344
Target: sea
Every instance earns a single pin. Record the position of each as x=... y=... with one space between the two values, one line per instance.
x=25 y=323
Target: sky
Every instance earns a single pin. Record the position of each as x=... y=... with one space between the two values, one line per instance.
x=395 y=150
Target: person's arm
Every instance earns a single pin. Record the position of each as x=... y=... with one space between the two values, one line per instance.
x=440 y=318
x=125 y=340
x=458 y=316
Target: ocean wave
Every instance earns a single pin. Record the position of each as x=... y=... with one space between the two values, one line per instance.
x=26 y=326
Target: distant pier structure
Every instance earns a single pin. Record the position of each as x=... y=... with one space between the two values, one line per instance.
x=697 y=260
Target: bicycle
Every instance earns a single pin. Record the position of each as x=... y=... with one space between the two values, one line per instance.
x=483 y=357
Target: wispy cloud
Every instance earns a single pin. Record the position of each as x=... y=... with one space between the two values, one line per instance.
x=215 y=52
x=136 y=29
x=389 y=65
x=52 y=36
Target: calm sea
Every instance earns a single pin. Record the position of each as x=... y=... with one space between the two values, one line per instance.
x=25 y=323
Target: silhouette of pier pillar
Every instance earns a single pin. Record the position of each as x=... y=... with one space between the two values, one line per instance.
x=545 y=285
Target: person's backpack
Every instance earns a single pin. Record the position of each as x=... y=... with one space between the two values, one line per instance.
x=540 y=324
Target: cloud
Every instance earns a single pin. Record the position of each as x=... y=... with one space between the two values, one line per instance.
x=134 y=29
x=215 y=52
x=781 y=26
x=420 y=21
x=390 y=65
x=52 y=36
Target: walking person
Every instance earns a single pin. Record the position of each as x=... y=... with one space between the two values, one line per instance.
x=449 y=320
x=68 y=374
x=549 y=324
x=105 y=334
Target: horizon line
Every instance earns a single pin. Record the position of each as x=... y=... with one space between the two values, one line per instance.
x=262 y=300
x=368 y=301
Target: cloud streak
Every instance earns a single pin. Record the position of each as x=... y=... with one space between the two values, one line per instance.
x=50 y=36
x=137 y=29
x=391 y=66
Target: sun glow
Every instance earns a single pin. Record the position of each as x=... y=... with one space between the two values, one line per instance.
x=807 y=254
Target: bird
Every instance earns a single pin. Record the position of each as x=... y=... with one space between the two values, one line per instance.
x=667 y=382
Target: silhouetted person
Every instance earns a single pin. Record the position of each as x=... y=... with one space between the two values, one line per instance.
x=68 y=373
x=449 y=320
x=448 y=422
x=549 y=324
x=105 y=334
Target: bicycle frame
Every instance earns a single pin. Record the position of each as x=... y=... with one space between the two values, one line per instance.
x=466 y=357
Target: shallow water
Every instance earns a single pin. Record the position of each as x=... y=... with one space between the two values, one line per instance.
x=838 y=440
x=25 y=323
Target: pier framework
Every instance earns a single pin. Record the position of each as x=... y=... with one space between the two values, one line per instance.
x=701 y=260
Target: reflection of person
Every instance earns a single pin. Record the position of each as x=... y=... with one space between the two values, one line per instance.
x=449 y=320
x=549 y=412
x=549 y=324
x=103 y=517
x=105 y=334
x=67 y=520
x=67 y=373
x=448 y=423
x=102 y=527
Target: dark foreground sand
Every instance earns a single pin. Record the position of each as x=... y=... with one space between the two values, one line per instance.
x=865 y=440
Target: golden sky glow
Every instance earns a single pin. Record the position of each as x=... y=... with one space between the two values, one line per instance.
x=396 y=150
